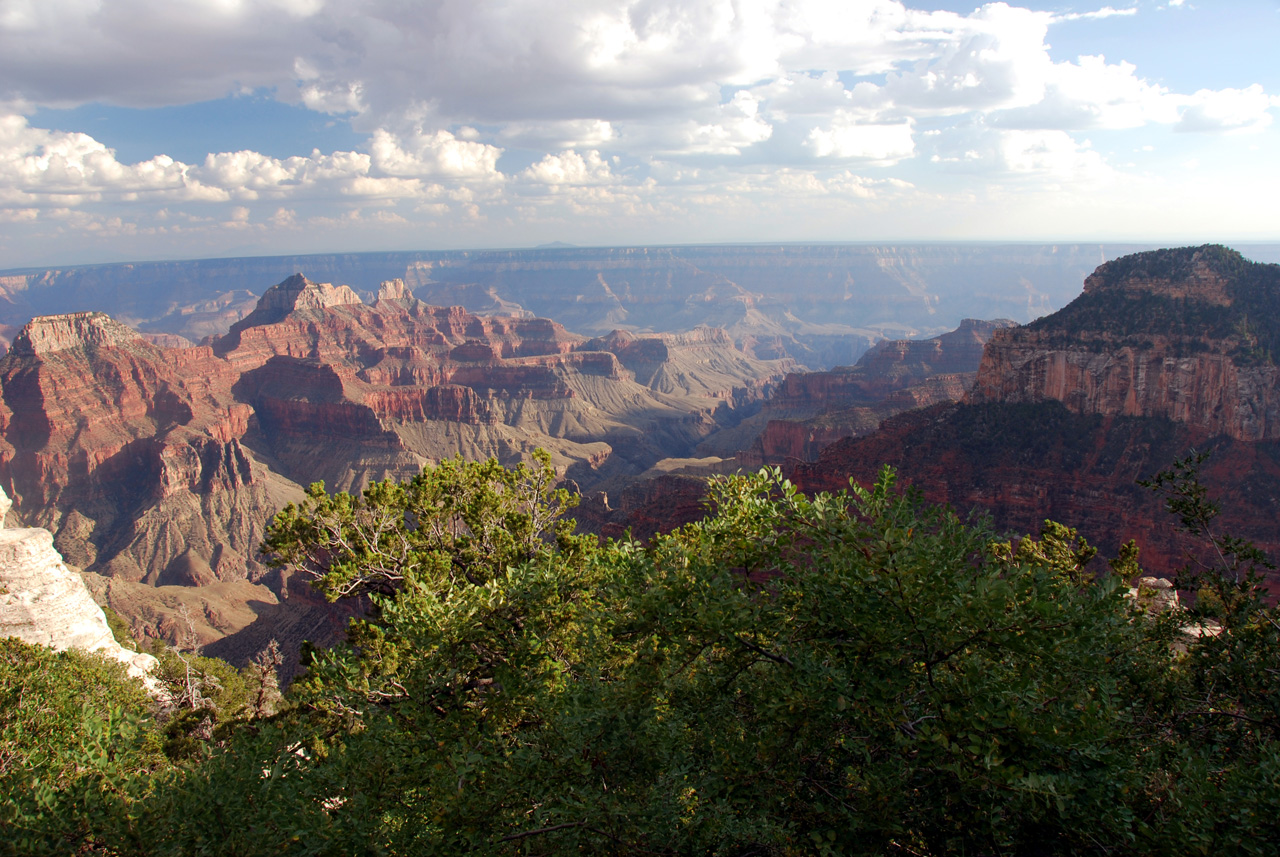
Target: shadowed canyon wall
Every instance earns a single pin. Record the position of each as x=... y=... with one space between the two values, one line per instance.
x=1163 y=352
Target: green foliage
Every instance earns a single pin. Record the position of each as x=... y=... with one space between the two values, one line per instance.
x=75 y=730
x=203 y=693
x=1232 y=680
x=460 y=519
x=120 y=629
x=848 y=674
x=1059 y=547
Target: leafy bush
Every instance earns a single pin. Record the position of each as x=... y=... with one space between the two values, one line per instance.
x=75 y=730
x=848 y=674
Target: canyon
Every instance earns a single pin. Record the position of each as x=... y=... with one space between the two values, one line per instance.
x=158 y=468
x=1164 y=353
x=821 y=305
x=811 y=410
x=156 y=463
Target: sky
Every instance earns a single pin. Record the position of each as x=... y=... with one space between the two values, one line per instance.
x=131 y=129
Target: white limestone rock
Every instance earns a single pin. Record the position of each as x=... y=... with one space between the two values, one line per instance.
x=44 y=602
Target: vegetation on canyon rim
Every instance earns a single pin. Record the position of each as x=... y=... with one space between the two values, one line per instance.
x=852 y=673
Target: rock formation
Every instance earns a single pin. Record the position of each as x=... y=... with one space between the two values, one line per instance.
x=812 y=410
x=1164 y=352
x=43 y=602
x=159 y=467
x=1182 y=336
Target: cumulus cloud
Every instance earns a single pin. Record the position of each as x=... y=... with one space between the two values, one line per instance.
x=618 y=105
x=432 y=153
x=732 y=127
x=996 y=58
x=1246 y=109
x=845 y=137
x=1092 y=93
x=39 y=165
x=570 y=168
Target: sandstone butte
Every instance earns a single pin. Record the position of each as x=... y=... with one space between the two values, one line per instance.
x=158 y=468
x=43 y=602
x=1163 y=352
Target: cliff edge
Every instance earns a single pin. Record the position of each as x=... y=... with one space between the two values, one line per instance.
x=1186 y=334
x=44 y=602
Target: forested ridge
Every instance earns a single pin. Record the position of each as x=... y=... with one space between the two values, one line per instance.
x=852 y=673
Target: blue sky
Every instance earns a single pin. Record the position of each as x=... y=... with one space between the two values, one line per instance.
x=134 y=130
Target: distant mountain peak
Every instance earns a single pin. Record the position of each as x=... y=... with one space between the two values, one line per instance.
x=394 y=290
x=293 y=294
x=299 y=293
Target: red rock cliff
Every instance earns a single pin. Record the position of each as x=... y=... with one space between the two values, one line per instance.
x=163 y=465
x=1164 y=352
x=1196 y=359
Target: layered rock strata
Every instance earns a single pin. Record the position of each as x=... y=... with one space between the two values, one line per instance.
x=161 y=466
x=810 y=411
x=1188 y=337
x=1164 y=352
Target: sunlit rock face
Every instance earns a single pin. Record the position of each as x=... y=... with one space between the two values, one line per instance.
x=1184 y=337
x=44 y=602
x=1164 y=352
x=162 y=466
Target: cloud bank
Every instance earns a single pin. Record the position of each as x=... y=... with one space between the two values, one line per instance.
x=646 y=114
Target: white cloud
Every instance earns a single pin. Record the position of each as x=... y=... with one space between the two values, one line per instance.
x=996 y=58
x=1104 y=12
x=619 y=108
x=1246 y=109
x=561 y=134
x=723 y=129
x=847 y=138
x=570 y=168
x=1048 y=155
x=436 y=153
x=1053 y=152
x=39 y=165
x=1092 y=93
x=334 y=98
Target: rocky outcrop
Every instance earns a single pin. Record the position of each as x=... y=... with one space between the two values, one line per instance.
x=44 y=602
x=1163 y=353
x=81 y=330
x=1158 y=378
x=812 y=410
x=129 y=453
x=1184 y=336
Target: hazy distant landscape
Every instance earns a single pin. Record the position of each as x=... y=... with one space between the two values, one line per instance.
x=822 y=305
